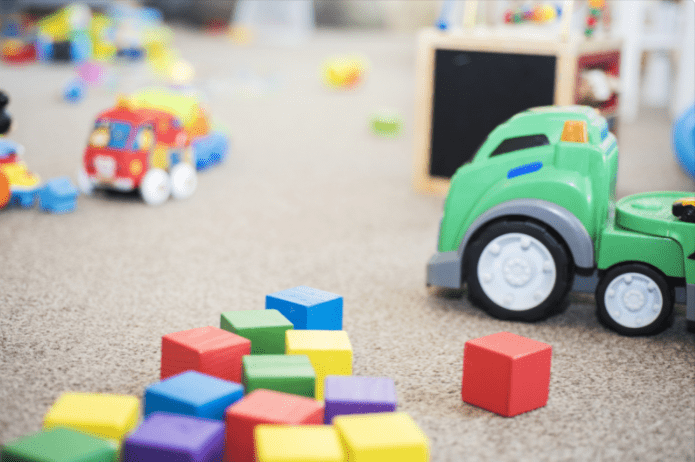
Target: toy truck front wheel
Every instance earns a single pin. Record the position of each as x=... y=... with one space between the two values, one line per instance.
x=155 y=187
x=518 y=270
x=634 y=299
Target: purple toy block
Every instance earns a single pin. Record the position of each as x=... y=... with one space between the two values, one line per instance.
x=175 y=438
x=350 y=394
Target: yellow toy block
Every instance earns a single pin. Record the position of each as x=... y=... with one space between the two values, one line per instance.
x=102 y=415
x=382 y=437
x=329 y=351
x=300 y=443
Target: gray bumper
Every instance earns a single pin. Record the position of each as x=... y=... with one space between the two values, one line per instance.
x=690 y=302
x=444 y=270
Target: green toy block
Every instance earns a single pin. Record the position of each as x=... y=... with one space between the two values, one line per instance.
x=265 y=328
x=59 y=445
x=286 y=373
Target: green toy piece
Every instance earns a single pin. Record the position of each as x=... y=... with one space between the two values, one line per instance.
x=536 y=206
x=386 y=124
x=59 y=445
x=265 y=328
x=286 y=373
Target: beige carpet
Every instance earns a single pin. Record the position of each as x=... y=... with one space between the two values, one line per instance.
x=309 y=197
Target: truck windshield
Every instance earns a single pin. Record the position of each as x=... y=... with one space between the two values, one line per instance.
x=119 y=134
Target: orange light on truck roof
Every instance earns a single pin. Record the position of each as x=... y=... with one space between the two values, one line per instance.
x=574 y=131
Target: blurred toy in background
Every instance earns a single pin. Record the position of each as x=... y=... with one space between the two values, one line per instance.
x=539 y=13
x=16 y=46
x=386 y=123
x=344 y=72
x=596 y=9
x=88 y=74
x=684 y=140
x=64 y=35
x=596 y=86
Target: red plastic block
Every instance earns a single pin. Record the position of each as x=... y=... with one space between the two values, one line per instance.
x=506 y=374
x=265 y=407
x=209 y=350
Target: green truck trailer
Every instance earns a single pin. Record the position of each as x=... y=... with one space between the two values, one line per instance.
x=534 y=215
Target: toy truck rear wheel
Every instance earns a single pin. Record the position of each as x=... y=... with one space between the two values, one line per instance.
x=518 y=270
x=634 y=299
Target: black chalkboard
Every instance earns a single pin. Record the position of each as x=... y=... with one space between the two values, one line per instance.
x=476 y=91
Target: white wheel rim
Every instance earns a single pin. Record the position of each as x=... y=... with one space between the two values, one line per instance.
x=183 y=181
x=516 y=271
x=633 y=300
x=155 y=187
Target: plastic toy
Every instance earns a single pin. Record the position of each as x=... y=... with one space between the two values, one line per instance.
x=539 y=14
x=265 y=407
x=265 y=328
x=536 y=205
x=329 y=351
x=386 y=124
x=74 y=90
x=209 y=350
x=23 y=184
x=684 y=140
x=59 y=445
x=382 y=436
x=308 y=308
x=103 y=415
x=506 y=374
x=344 y=73
x=63 y=35
x=193 y=394
x=168 y=437
x=58 y=195
x=284 y=443
x=135 y=147
x=286 y=373
x=358 y=395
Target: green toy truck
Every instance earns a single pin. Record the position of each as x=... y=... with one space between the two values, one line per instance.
x=536 y=206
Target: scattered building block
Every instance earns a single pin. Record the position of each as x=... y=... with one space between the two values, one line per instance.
x=265 y=328
x=192 y=393
x=329 y=351
x=23 y=199
x=358 y=395
x=170 y=437
x=99 y=414
x=506 y=374
x=209 y=350
x=304 y=443
x=59 y=445
x=308 y=308
x=265 y=407
x=58 y=196
x=287 y=373
x=390 y=436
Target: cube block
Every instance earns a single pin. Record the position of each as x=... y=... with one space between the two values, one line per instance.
x=192 y=393
x=390 y=436
x=166 y=437
x=287 y=373
x=308 y=308
x=265 y=328
x=357 y=395
x=506 y=374
x=329 y=351
x=59 y=445
x=305 y=443
x=265 y=407
x=58 y=196
x=209 y=350
x=102 y=415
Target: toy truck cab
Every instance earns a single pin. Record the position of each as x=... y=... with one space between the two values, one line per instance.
x=537 y=205
x=139 y=148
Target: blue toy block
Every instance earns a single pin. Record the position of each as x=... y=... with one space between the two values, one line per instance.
x=192 y=393
x=210 y=150
x=74 y=90
x=58 y=196
x=307 y=308
x=24 y=199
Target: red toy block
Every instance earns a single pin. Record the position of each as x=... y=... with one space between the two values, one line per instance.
x=265 y=407
x=506 y=374
x=209 y=350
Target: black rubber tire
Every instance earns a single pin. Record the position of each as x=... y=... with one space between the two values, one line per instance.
x=563 y=266
x=663 y=319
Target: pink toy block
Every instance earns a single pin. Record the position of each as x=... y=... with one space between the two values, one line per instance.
x=209 y=350
x=506 y=374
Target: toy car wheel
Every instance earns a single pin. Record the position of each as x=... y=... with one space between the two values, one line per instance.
x=634 y=299
x=155 y=187
x=184 y=181
x=518 y=270
x=84 y=183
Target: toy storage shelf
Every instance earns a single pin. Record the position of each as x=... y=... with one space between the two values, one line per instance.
x=470 y=81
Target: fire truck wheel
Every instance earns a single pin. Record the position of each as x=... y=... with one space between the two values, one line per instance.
x=84 y=183
x=155 y=187
x=183 y=181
